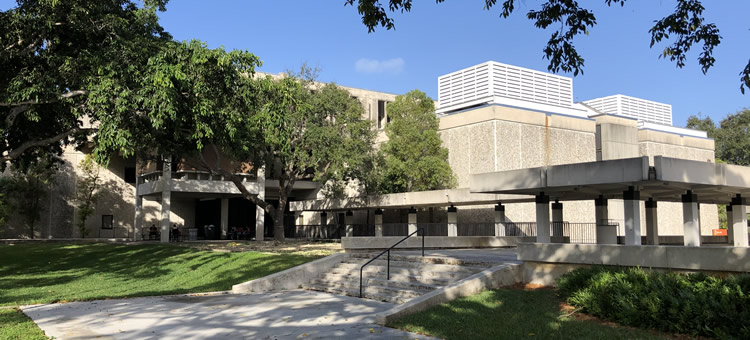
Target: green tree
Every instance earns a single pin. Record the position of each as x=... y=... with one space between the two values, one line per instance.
x=683 y=29
x=30 y=186
x=732 y=136
x=69 y=64
x=415 y=159
x=87 y=192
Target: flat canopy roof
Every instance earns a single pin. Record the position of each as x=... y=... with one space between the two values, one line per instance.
x=417 y=199
x=667 y=180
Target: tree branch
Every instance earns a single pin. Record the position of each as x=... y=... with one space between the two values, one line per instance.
x=15 y=153
x=37 y=102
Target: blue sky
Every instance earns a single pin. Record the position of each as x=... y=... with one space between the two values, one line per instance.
x=435 y=39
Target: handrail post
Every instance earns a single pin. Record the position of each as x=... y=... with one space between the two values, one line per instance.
x=360 y=281
x=388 y=267
x=423 y=242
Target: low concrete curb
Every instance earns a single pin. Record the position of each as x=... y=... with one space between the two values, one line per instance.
x=291 y=278
x=492 y=278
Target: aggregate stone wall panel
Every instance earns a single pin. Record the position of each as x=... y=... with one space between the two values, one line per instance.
x=482 y=147
x=507 y=145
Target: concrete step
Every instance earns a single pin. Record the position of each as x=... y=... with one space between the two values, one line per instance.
x=343 y=269
x=353 y=282
x=394 y=277
x=426 y=267
x=425 y=259
x=370 y=292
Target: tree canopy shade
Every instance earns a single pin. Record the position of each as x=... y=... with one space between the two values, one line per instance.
x=415 y=159
x=683 y=29
x=69 y=64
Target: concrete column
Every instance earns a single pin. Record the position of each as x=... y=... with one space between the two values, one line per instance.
x=166 y=199
x=452 y=221
x=605 y=233
x=500 y=220
x=378 y=222
x=690 y=217
x=542 y=218
x=730 y=225
x=224 y=218
x=412 y=220
x=739 y=221
x=632 y=210
x=138 y=222
x=260 y=213
x=349 y=222
x=652 y=224
x=557 y=221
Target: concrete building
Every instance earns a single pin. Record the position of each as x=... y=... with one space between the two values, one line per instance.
x=493 y=117
x=496 y=117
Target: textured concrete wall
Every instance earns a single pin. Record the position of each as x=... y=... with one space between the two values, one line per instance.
x=499 y=138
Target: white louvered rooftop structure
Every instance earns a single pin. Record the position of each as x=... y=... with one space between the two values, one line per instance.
x=640 y=109
x=497 y=83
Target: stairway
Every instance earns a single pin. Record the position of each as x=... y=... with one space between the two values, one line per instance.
x=411 y=276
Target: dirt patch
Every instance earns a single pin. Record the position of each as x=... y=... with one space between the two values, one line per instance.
x=530 y=286
x=306 y=248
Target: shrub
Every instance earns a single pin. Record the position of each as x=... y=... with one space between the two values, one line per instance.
x=695 y=304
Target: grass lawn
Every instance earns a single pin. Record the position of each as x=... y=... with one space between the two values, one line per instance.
x=511 y=314
x=46 y=273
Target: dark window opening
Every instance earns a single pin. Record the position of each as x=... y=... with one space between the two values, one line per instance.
x=130 y=175
x=381 y=113
x=108 y=221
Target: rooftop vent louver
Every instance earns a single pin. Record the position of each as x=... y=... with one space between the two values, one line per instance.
x=641 y=109
x=493 y=82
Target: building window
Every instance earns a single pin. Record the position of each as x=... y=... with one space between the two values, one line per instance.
x=108 y=221
x=381 y=114
x=130 y=175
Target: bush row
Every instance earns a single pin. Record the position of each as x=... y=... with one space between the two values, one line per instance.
x=695 y=304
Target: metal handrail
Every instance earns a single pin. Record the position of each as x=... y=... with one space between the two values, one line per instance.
x=388 y=263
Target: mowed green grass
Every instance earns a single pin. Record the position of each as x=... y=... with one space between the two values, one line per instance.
x=511 y=314
x=48 y=273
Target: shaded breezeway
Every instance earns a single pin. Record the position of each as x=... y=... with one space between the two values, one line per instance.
x=294 y=314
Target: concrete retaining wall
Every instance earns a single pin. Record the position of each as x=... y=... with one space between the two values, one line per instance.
x=495 y=277
x=291 y=278
x=544 y=262
x=432 y=242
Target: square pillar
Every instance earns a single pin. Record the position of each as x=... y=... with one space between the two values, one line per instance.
x=739 y=221
x=260 y=213
x=412 y=220
x=557 y=221
x=652 y=227
x=166 y=199
x=632 y=210
x=349 y=221
x=138 y=222
x=730 y=225
x=500 y=220
x=452 y=221
x=322 y=232
x=690 y=218
x=542 y=218
x=224 y=218
x=605 y=233
x=378 y=222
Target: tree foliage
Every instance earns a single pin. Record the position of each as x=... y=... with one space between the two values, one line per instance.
x=28 y=186
x=68 y=65
x=683 y=29
x=731 y=137
x=87 y=192
x=415 y=159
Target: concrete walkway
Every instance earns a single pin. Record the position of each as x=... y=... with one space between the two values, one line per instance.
x=487 y=255
x=285 y=315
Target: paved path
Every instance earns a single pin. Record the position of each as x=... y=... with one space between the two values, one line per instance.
x=285 y=315
x=489 y=255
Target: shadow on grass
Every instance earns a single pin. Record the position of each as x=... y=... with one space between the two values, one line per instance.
x=44 y=273
x=510 y=314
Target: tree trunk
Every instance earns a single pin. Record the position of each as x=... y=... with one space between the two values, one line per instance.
x=278 y=218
